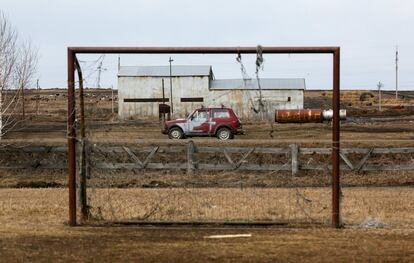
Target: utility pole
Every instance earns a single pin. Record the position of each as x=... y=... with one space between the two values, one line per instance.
x=171 y=96
x=1 y=112
x=112 y=99
x=163 y=103
x=119 y=62
x=379 y=85
x=98 y=82
x=23 y=103
x=112 y=86
x=163 y=93
x=396 y=73
x=37 y=97
x=100 y=69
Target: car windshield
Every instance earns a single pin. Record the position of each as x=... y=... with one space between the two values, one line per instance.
x=190 y=116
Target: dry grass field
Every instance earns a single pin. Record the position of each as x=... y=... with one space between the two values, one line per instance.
x=33 y=228
x=393 y=206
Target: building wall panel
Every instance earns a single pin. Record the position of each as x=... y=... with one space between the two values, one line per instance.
x=242 y=101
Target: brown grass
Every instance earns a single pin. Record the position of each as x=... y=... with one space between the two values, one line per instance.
x=32 y=228
x=394 y=206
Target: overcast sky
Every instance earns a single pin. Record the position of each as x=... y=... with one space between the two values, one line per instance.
x=366 y=31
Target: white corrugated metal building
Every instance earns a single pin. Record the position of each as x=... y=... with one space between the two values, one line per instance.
x=140 y=91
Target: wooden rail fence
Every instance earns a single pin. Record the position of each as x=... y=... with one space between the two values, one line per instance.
x=231 y=163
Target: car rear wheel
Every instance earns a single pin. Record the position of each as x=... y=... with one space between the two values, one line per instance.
x=175 y=133
x=224 y=134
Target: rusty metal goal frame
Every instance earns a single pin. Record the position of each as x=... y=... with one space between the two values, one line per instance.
x=72 y=65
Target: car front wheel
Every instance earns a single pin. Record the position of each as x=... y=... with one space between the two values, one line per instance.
x=175 y=134
x=224 y=134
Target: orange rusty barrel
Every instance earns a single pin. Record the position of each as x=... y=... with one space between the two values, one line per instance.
x=298 y=116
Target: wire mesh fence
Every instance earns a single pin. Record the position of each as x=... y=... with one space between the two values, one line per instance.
x=228 y=184
x=262 y=188
x=164 y=183
x=130 y=192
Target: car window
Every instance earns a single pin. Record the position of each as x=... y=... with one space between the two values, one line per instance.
x=200 y=116
x=221 y=114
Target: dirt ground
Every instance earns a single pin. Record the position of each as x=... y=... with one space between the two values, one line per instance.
x=173 y=179
x=133 y=244
x=32 y=228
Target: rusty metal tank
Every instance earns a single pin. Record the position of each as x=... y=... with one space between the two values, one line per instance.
x=327 y=115
x=306 y=115
x=298 y=116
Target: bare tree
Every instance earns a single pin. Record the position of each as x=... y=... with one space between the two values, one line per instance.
x=25 y=69
x=18 y=63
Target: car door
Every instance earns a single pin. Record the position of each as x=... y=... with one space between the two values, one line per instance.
x=219 y=117
x=199 y=122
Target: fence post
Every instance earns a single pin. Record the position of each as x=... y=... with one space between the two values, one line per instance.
x=294 y=155
x=190 y=158
x=82 y=180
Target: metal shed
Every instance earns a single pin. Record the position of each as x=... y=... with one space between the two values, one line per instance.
x=140 y=91
x=244 y=95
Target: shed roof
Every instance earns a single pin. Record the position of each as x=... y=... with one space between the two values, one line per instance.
x=265 y=84
x=164 y=71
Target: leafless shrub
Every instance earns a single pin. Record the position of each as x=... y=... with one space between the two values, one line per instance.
x=18 y=63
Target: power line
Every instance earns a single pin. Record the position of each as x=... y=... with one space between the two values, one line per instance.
x=396 y=73
x=99 y=69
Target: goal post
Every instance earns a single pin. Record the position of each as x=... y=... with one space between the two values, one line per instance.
x=71 y=132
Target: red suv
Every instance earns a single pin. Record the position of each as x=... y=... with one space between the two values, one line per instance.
x=220 y=122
